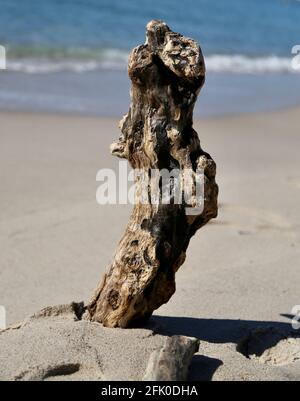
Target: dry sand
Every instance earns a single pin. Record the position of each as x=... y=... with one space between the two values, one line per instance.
x=242 y=270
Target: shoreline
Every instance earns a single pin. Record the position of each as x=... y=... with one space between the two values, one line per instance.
x=76 y=115
x=106 y=93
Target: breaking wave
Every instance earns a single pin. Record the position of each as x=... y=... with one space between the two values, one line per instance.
x=117 y=59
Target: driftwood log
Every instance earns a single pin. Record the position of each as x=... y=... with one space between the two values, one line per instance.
x=172 y=362
x=167 y=73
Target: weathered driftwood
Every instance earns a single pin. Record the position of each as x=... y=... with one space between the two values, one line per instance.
x=171 y=363
x=167 y=73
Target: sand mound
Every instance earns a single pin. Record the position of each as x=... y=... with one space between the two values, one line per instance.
x=272 y=347
x=60 y=343
x=55 y=344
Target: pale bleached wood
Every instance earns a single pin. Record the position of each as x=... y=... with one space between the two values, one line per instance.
x=171 y=363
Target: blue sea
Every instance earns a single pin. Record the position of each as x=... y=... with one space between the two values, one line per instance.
x=71 y=55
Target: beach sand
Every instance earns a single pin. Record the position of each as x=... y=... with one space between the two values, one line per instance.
x=241 y=272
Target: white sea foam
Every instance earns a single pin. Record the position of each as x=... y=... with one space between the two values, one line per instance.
x=106 y=59
x=116 y=59
x=249 y=65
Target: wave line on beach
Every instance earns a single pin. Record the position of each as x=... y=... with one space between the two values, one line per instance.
x=117 y=60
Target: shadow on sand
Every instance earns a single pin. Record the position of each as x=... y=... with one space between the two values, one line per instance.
x=221 y=331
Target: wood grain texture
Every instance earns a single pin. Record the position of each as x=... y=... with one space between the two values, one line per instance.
x=171 y=362
x=167 y=73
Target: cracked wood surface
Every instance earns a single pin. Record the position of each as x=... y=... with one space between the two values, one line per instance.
x=167 y=73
